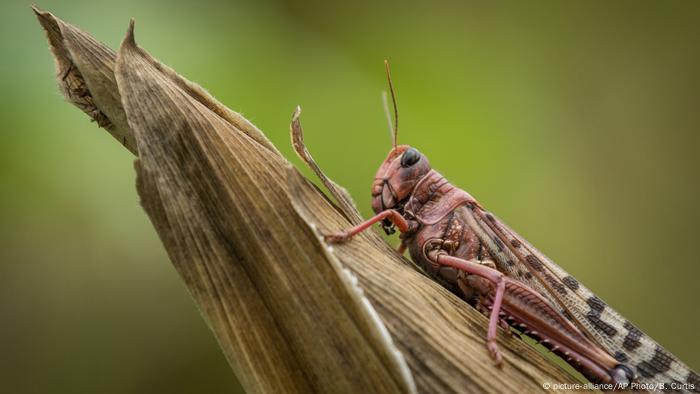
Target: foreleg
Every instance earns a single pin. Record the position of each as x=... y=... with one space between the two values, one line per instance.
x=394 y=216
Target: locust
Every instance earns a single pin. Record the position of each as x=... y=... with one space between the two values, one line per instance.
x=467 y=249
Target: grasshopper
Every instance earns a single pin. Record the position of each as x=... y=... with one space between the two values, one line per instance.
x=475 y=255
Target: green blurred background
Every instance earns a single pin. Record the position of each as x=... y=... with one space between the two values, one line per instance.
x=576 y=122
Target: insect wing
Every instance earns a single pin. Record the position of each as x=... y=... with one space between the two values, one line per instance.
x=519 y=259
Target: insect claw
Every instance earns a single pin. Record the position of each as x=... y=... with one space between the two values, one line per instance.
x=495 y=353
x=336 y=238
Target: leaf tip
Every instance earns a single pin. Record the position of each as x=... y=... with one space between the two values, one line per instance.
x=38 y=11
x=130 y=39
x=297 y=133
x=41 y=14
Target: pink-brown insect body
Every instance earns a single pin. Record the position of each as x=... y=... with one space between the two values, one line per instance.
x=438 y=219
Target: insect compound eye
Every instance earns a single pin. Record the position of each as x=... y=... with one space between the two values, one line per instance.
x=410 y=157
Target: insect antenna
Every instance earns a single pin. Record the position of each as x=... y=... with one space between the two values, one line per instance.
x=395 y=134
x=387 y=113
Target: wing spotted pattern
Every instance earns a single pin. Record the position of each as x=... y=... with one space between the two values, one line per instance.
x=520 y=260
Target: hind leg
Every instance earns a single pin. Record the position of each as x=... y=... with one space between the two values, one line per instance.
x=490 y=274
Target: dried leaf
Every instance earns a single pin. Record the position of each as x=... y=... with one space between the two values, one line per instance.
x=218 y=200
x=85 y=75
x=345 y=202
